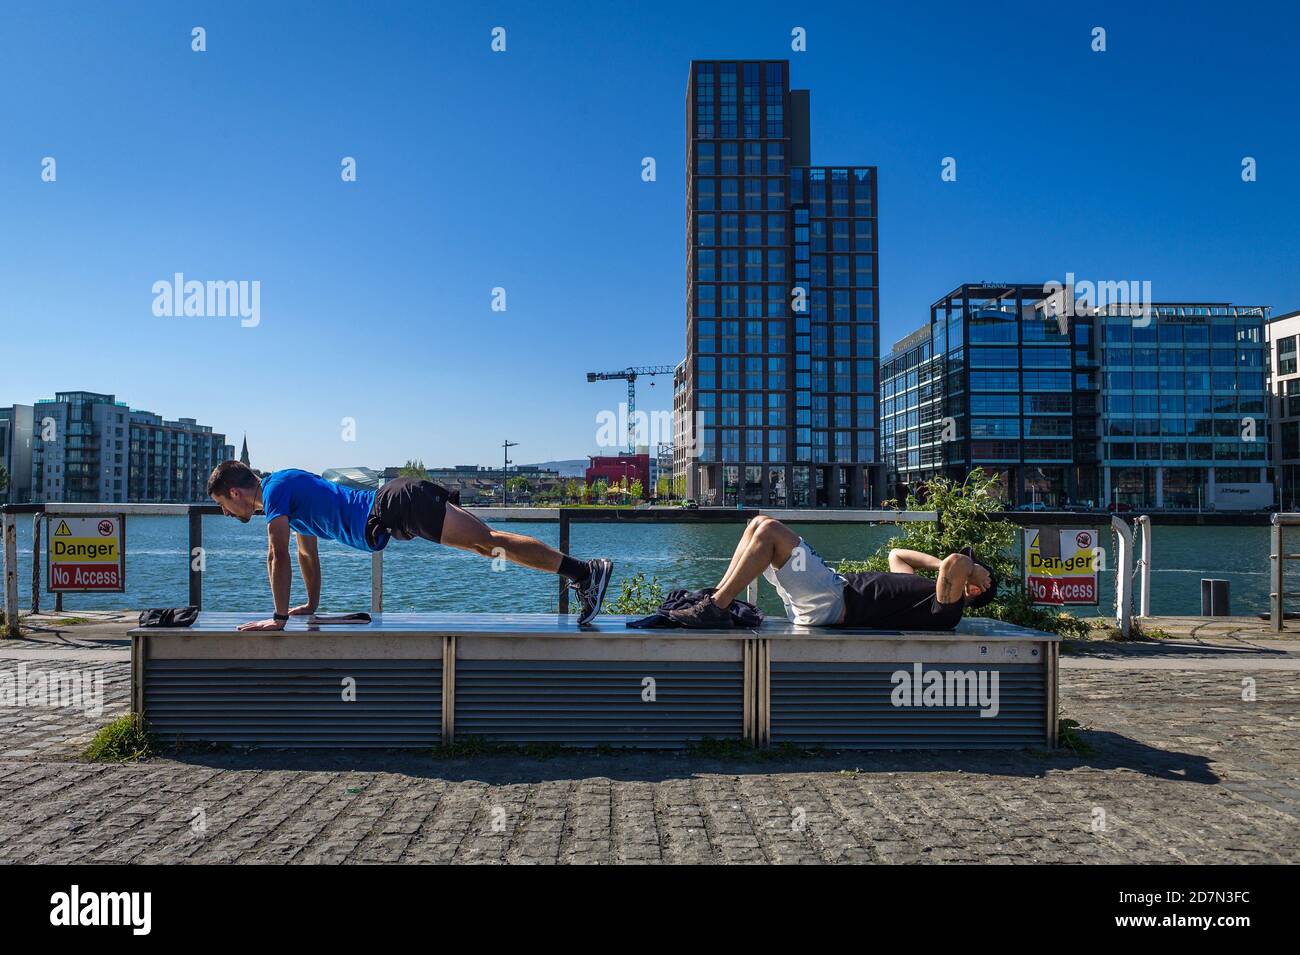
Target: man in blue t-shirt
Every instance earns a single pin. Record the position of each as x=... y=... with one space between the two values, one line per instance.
x=403 y=509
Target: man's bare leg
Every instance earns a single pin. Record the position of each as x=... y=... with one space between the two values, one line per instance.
x=769 y=544
x=745 y=538
x=463 y=530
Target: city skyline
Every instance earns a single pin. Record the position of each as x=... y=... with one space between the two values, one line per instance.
x=1054 y=148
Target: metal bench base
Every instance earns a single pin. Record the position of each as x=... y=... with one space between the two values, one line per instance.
x=417 y=680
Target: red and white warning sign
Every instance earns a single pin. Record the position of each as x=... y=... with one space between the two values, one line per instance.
x=86 y=554
x=1065 y=573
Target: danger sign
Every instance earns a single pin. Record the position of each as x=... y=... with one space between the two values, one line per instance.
x=1061 y=567
x=86 y=554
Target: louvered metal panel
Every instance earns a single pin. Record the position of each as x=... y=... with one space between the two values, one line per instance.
x=583 y=704
x=298 y=703
x=848 y=706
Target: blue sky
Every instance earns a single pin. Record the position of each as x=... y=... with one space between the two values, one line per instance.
x=522 y=170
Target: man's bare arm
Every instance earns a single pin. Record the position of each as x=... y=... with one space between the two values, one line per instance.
x=278 y=571
x=309 y=566
x=903 y=561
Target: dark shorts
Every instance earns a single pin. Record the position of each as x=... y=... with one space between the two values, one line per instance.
x=407 y=508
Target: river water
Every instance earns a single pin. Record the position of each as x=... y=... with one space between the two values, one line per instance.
x=423 y=576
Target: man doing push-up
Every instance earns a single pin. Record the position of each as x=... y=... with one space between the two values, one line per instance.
x=400 y=510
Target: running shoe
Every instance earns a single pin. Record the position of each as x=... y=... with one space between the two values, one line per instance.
x=592 y=592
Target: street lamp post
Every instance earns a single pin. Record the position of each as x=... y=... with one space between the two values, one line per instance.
x=505 y=467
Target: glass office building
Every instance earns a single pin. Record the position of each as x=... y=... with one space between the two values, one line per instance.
x=1185 y=408
x=995 y=382
x=1284 y=410
x=1166 y=410
x=777 y=391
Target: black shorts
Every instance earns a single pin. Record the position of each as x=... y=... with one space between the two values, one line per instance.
x=407 y=508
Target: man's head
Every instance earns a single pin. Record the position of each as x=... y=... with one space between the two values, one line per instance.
x=236 y=488
x=982 y=586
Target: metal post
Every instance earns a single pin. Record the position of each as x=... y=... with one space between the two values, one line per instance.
x=1123 y=577
x=1276 y=576
x=36 y=562
x=377 y=582
x=1144 y=579
x=197 y=558
x=564 y=549
x=11 y=574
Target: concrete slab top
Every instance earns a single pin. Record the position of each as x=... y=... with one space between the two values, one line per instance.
x=555 y=625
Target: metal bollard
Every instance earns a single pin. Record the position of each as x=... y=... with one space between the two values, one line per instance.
x=1215 y=598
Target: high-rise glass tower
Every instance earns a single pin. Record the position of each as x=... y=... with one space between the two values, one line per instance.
x=777 y=394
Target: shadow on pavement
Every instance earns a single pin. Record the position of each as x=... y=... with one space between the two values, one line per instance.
x=1162 y=649
x=1109 y=751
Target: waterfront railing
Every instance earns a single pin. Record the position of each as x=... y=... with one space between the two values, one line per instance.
x=567 y=517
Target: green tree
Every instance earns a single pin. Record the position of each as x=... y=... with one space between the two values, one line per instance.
x=413 y=468
x=572 y=491
x=637 y=490
x=600 y=490
x=518 y=485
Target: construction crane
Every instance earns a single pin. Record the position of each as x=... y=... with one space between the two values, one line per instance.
x=631 y=374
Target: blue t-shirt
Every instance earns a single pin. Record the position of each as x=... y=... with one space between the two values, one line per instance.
x=320 y=508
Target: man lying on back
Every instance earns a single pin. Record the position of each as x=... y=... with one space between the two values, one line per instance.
x=816 y=596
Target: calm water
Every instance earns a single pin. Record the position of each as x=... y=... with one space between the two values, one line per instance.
x=422 y=576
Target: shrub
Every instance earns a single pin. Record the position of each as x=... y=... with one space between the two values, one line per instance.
x=637 y=596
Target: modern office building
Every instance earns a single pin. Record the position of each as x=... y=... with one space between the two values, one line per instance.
x=89 y=447
x=1185 y=407
x=994 y=382
x=1283 y=333
x=778 y=387
x=16 y=453
x=1163 y=409
x=912 y=426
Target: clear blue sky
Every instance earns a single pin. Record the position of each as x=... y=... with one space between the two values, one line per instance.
x=522 y=170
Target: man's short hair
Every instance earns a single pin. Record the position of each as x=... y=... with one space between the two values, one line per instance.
x=228 y=475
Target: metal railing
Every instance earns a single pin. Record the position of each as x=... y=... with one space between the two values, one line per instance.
x=566 y=518
x=195 y=557
x=1278 y=557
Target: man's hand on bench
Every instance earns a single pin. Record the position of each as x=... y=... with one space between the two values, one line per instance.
x=271 y=624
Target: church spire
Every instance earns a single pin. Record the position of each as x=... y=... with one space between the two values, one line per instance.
x=243 y=454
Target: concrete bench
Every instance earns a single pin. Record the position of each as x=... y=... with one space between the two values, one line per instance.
x=418 y=680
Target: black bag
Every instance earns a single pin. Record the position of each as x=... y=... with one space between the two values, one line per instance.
x=169 y=617
x=744 y=615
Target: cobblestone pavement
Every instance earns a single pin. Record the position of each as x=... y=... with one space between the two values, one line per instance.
x=1182 y=770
